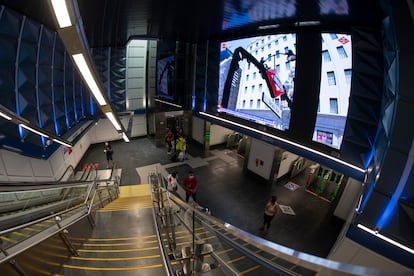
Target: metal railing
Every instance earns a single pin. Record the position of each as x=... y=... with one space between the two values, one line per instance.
x=213 y=245
x=73 y=202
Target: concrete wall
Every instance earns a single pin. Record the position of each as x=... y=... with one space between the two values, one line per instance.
x=16 y=167
x=261 y=158
x=286 y=163
x=218 y=134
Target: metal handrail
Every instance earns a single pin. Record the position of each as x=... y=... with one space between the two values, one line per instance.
x=30 y=223
x=164 y=255
x=64 y=173
x=86 y=171
x=91 y=187
x=299 y=258
x=6 y=187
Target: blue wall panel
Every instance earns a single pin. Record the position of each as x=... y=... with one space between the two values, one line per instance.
x=37 y=82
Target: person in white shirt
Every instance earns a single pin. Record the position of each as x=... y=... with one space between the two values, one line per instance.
x=271 y=209
x=172 y=182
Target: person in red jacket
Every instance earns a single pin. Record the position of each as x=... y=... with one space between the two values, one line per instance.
x=190 y=185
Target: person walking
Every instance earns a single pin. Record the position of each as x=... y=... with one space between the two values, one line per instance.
x=190 y=185
x=172 y=180
x=108 y=152
x=180 y=148
x=270 y=211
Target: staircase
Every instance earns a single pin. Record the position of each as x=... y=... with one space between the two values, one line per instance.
x=123 y=241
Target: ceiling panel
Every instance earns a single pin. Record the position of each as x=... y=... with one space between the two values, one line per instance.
x=112 y=23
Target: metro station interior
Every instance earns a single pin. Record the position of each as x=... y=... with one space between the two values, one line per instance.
x=309 y=101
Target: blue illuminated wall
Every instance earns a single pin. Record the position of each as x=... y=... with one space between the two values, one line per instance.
x=39 y=83
x=387 y=205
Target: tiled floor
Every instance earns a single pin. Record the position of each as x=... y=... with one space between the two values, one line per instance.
x=233 y=195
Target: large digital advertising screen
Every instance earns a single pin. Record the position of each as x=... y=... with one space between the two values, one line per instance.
x=256 y=80
x=335 y=87
x=165 y=77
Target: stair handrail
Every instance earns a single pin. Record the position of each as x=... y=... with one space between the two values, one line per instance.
x=303 y=259
x=89 y=197
x=164 y=255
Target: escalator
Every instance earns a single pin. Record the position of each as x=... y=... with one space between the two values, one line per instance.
x=146 y=230
x=36 y=216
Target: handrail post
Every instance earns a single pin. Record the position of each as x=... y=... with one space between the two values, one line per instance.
x=13 y=261
x=63 y=235
x=100 y=198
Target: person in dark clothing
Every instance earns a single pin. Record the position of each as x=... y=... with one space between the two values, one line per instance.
x=109 y=152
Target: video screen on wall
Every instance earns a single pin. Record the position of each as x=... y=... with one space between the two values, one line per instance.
x=256 y=81
x=165 y=77
x=335 y=87
x=238 y=13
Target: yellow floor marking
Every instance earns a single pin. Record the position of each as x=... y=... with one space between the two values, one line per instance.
x=118 y=244
x=236 y=260
x=189 y=242
x=113 y=268
x=134 y=190
x=118 y=250
x=250 y=269
x=121 y=239
x=9 y=240
x=224 y=251
x=116 y=259
x=128 y=203
x=21 y=234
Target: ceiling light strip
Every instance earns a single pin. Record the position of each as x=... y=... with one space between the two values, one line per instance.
x=34 y=130
x=87 y=75
x=62 y=13
x=111 y=118
x=125 y=137
x=5 y=116
x=62 y=142
x=384 y=238
x=286 y=141
x=164 y=102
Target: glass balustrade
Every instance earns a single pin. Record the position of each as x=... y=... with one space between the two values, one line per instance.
x=193 y=241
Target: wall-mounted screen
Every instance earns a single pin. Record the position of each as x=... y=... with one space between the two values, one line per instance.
x=165 y=77
x=335 y=87
x=243 y=12
x=256 y=79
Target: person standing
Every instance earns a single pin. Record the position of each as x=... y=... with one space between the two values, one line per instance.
x=109 y=152
x=172 y=182
x=169 y=138
x=270 y=211
x=180 y=148
x=190 y=185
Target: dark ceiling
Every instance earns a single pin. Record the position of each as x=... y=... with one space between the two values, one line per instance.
x=112 y=23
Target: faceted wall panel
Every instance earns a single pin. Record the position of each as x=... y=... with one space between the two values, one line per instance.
x=58 y=88
x=44 y=73
x=69 y=93
x=37 y=82
x=117 y=80
x=26 y=78
x=111 y=66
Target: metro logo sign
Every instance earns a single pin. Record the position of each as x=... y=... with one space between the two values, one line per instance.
x=343 y=40
x=277 y=87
